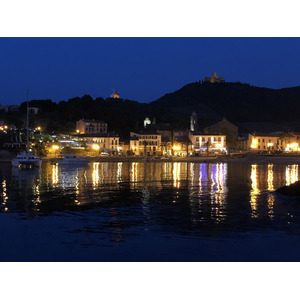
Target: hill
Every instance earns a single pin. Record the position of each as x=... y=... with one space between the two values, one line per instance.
x=238 y=102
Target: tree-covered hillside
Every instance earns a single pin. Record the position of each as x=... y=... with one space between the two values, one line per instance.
x=235 y=101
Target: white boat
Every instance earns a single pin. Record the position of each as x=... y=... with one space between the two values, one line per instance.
x=71 y=159
x=26 y=160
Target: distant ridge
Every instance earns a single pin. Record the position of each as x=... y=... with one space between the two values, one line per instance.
x=237 y=101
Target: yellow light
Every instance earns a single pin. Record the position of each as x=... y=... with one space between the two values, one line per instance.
x=77 y=130
x=38 y=128
x=270 y=144
x=5 y=127
x=293 y=146
x=254 y=142
x=253 y=146
x=95 y=147
x=55 y=147
x=176 y=148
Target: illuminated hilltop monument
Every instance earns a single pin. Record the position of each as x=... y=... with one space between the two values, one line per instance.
x=214 y=78
x=115 y=95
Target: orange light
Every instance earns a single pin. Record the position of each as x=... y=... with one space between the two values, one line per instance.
x=95 y=146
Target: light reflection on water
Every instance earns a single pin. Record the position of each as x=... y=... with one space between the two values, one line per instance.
x=191 y=193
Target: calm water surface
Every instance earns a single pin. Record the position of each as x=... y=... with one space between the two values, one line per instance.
x=149 y=212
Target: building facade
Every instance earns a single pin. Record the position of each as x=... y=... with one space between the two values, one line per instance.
x=264 y=143
x=203 y=143
x=91 y=127
x=145 y=143
x=105 y=143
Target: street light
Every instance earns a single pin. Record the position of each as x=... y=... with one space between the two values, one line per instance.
x=96 y=147
x=55 y=148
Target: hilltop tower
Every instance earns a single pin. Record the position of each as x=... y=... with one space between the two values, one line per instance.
x=214 y=78
x=193 y=121
x=115 y=95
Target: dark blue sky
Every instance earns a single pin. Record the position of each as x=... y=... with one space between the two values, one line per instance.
x=141 y=69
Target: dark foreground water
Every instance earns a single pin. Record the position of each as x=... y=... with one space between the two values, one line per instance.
x=149 y=212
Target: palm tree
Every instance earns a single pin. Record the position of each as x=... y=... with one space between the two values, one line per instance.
x=145 y=143
x=208 y=144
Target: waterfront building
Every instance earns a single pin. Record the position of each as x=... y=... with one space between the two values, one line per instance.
x=91 y=127
x=291 y=141
x=203 y=143
x=259 y=142
x=270 y=142
x=145 y=143
x=182 y=146
x=101 y=143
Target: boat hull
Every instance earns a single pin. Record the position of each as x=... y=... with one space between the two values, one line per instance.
x=26 y=163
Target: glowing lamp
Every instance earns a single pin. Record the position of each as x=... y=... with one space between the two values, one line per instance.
x=293 y=146
x=95 y=147
x=55 y=147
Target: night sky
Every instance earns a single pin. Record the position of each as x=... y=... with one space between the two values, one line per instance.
x=141 y=69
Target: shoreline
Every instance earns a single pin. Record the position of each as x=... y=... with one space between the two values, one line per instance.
x=291 y=159
x=282 y=159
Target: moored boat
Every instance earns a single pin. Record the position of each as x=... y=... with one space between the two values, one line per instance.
x=26 y=160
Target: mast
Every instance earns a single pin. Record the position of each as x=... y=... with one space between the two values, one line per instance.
x=27 y=126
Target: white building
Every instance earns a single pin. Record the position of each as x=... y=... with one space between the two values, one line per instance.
x=145 y=143
x=208 y=142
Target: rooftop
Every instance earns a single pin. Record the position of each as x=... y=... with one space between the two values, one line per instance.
x=110 y=134
x=92 y=121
